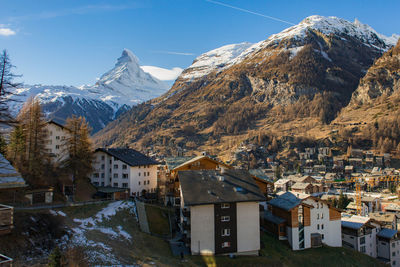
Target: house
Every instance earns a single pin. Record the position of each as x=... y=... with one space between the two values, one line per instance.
x=125 y=168
x=373 y=203
x=11 y=181
x=305 y=223
x=282 y=185
x=324 y=151
x=6 y=219
x=56 y=137
x=220 y=212
x=305 y=188
x=352 y=208
x=388 y=246
x=5 y=261
x=356 y=153
x=387 y=220
x=359 y=233
x=264 y=182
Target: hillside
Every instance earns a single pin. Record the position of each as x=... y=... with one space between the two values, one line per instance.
x=108 y=234
x=290 y=83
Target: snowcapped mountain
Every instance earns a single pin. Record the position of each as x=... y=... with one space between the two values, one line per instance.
x=118 y=89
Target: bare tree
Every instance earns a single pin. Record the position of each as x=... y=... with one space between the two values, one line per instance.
x=6 y=84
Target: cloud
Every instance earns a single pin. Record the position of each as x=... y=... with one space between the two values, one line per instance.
x=174 y=53
x=6 y=31
x=250 y=12
x=163 y=74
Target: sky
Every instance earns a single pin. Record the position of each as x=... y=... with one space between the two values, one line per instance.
x=54 y=42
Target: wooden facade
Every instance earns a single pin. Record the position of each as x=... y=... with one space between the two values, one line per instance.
x=6 y=219
x=265 y=186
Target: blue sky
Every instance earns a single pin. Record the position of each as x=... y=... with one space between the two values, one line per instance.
x=74 y=42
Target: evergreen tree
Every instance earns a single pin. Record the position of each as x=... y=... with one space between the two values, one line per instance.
x=16 y=147
x=278 y=172
x=78 y=148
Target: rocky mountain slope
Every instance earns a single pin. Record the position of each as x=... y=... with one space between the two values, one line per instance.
x=378 y=93
x=114 y=93
x=307 y=72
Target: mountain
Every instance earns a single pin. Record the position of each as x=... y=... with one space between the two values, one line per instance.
x=114 y=93
x=378 y=93
x=289 y=83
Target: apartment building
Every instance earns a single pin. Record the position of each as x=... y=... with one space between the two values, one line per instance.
x=220 y=212
x=55 y=141
x=125 y=168
x=304 y=222
x=388 y=246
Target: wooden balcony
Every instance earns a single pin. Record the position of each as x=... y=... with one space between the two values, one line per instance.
x=6 y=219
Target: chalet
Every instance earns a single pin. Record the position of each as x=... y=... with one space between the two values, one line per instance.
x=125 y=168
x=359 y=233
x=305 y=188
x=219 y=211
x=264 y=182
x=11 y=181
x=388 y=247
x=56 y=137
x=282 y=185
x=6 y=219
x=305 y=223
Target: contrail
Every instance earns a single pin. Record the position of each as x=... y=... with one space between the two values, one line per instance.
x=251 y=12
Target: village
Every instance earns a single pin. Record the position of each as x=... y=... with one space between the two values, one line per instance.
x=213 y=208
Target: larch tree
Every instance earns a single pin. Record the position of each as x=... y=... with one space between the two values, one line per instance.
x=32 y=127
x=78 y=148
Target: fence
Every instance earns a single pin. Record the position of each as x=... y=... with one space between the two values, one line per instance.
x=62 y=205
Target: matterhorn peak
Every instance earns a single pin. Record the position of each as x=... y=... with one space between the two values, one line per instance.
x=127 y=56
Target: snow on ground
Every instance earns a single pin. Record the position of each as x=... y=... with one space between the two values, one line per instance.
x=97 y=251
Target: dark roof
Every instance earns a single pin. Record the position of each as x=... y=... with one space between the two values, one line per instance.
x=260 y=174
x=387 y=233
x=57 y=122
x=352 y=225
x=200 y=158
x=173 y=162
x=286 y=201
x=9 y=176
x=129 y=156
x=212 y=186
x=268 y=216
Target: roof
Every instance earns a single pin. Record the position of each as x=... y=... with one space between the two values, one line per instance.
x=300 y=185
x=281 y=181
x=173 y=162
x=202 y=187
x=268 y=216
x=352 y=225
x=58 y=123
x=129 y=156
x=368 y=199
x=199 y=158
x=9 y=177
x=387 y=233
x=286 y=201
x=260 y=174
x=383 y=217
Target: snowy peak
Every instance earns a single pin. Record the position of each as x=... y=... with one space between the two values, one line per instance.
x=338 y=26
x=127 y=56
x=214 y=59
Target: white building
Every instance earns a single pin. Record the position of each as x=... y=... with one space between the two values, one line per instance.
x=124 y=168
x=55 y=140
x=388 y=242
x=304 y=222
x=220 y=212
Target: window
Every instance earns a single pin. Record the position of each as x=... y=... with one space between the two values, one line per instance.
x=125 y=175
x=57 y=147
x=62 y=137
x=139 y=173
x=226 y=244
x=103 y=157
x=322 y=236
x=139 y=182
x=57 y=138
x=115 y=166
x=225 y=206
x=226 y=232
x=362 y=240
x=115 y=184
x=102 y=175
x=124 y=185
x=148 y=173
x=322 y=205
x=393 y=253
x=394 y=263
x=144 y=174
x=102 y=183
x=362 y=249
x=96 y=183
x=115 y=175
x=318 y=226
x=102 y=166
x=317 y=205
x=225 y=218
x=318 y=216
x=124 y=167
x=95 y=175
x=322 y=226
x=322 y=215
x=110 y=161
x=393 y=245
x=148 y=181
